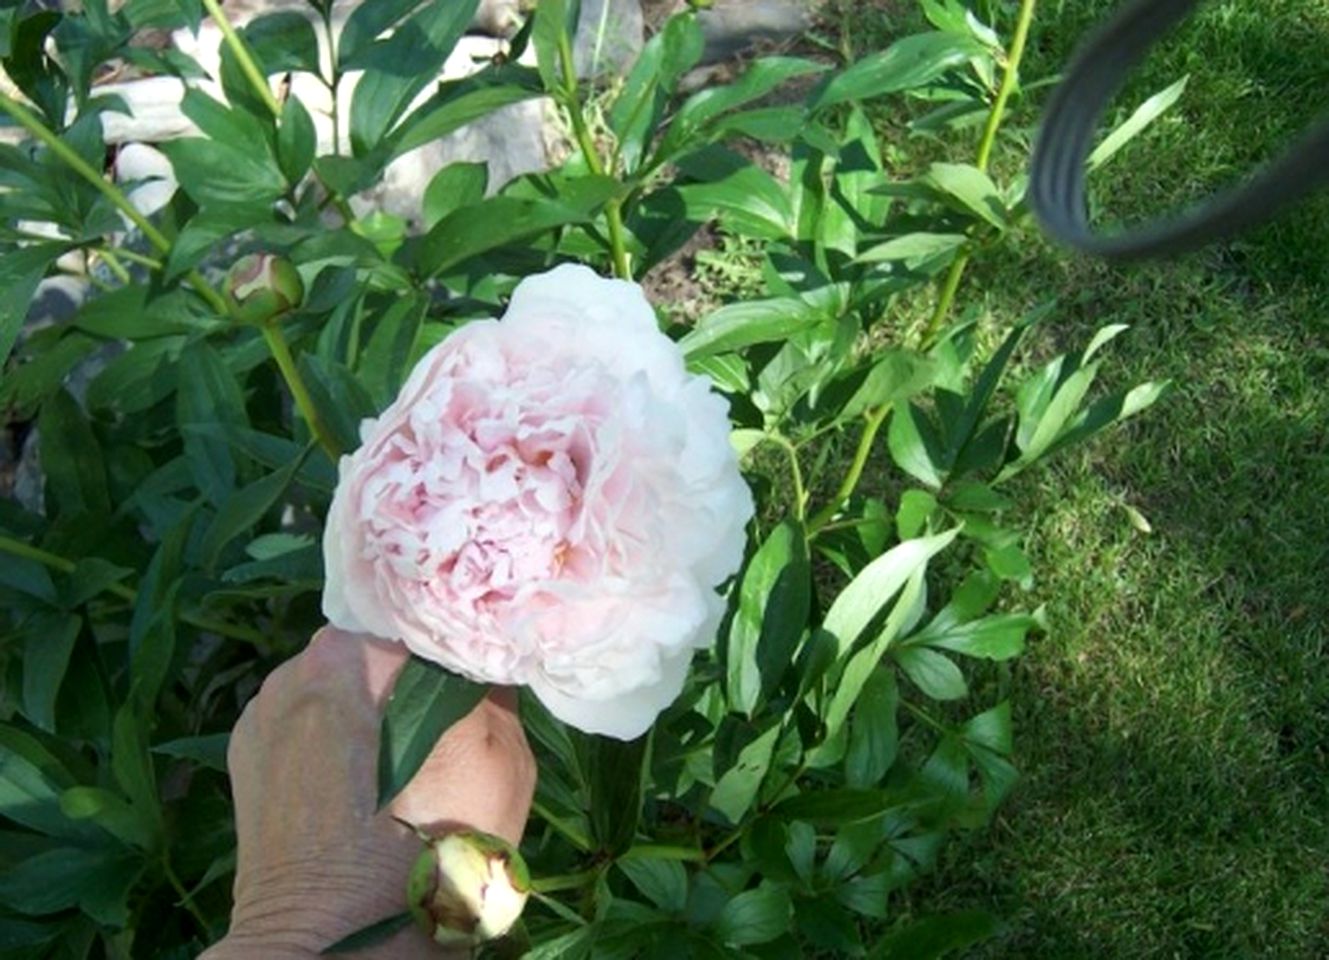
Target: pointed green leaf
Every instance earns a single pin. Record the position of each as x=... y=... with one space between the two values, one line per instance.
x=426 y=700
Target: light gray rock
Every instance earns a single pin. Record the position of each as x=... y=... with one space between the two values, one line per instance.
x=733 y=26
x=609 y=37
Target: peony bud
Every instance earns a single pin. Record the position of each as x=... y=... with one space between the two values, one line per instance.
x=468 y=887
x=261 y=287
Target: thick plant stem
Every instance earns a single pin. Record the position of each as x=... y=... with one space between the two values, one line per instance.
x=17 y=548
x=247 y=65
x=951 y=285
x=795 y=473
x=71 y=159
x=281 y=352
x=47 y=138
x=875 y=418
x=613 y=209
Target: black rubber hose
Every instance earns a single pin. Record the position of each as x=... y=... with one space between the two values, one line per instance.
x=1066 y=138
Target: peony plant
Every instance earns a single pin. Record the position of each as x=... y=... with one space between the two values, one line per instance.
x=750 y=560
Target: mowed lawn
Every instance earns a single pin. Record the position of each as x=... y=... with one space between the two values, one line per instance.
x=1173 y=726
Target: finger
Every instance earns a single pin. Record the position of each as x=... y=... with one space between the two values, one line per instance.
x=361 y=663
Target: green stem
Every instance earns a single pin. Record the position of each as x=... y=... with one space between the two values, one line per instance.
x=109 y=190
x=129 y=255
x=570 y=834
x=663 y=851
x=796 y=474
x=926 y=717
x=875 y=418
x=186 y=900
x=1009 y=80
x=247 y=65
x=85 y=170
x=17 y=548
x=116 y=267
x=613 y=209
x=565 y=881
x=281 y=352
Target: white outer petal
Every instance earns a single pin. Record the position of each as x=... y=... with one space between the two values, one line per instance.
x=626 y=716
x=350 y=598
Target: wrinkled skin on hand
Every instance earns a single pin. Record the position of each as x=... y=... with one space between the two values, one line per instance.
x=315 y=861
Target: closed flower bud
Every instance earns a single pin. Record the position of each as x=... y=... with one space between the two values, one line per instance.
x=261 y=287
x=468 y=887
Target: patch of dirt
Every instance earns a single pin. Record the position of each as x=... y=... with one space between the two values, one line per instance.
x=674 y=282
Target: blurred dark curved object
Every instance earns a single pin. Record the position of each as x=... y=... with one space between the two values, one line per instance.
x=1061 y=152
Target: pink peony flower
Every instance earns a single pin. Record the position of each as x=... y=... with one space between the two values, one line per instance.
x=551 y=501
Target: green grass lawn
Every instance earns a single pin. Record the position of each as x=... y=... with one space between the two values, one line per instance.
x=1173 y=726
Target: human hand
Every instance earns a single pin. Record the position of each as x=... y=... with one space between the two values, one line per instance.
x=315 y=862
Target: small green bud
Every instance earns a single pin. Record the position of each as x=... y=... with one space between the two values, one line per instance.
x=467 y=887
x=701 y=4
x=262 y=286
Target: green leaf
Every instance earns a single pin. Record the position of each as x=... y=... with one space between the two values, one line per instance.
x=1009 y=562
x=916 y=508
x=774 y=602
x=21 y=271
x=296 y=141
x=551 y=30
x=208 y=393
x=459 y=102
x=25 y=386
x=704 y=108
x=862 y=664
x=747 y=200
x=131 y=764
x=90 y=577
x=206 y=751
x=501 y=220
x=219 y=174
x=46 y=651
x=873 y=734
x=737 y=789
x=663 y=882
x=827 y=927
x=614 y=772
x=365 y=24
x=835 y=807
x=31 y=781
x=456 y=185
x=338 y=397
x=97 y=880
x=868 y=593
x=385 y=361
x=907 y=64
x=755 y=916
x=283 y=41
x=971 y=189
x=936 y=936
x=998 y=637
x=934 y=673
x=426 y=700
x=914 y=249
x=637 y=109
x=374 y=934
x=246 y=507
x=895 y=376
x=71 y=459
x=742 y=324
x=111 y=812
x=1139 y=121
x=914 y=446
x=398 y=68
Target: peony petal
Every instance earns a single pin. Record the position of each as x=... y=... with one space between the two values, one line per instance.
x=626 y=716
